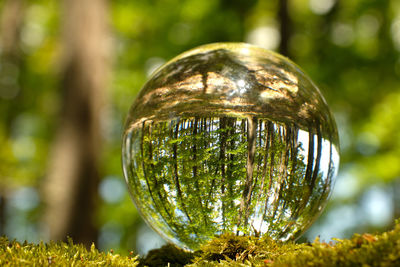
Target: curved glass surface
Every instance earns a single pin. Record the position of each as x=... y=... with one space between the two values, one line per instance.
x=229 y=138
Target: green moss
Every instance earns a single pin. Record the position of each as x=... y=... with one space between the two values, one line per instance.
x=57 y=254
x=361 y=250
x=243 y=249
x=226 y=250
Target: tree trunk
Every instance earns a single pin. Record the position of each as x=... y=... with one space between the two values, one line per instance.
x=2 y=212
x=285 y=24
x=11 y=23
x=396 y=199
x=70 y=188
x=251 y=153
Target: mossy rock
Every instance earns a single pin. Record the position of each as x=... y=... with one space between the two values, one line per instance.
x=226 y=250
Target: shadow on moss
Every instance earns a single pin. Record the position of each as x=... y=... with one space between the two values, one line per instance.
x=168 y=254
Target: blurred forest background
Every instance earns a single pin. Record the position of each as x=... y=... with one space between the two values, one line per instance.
x=69 y=71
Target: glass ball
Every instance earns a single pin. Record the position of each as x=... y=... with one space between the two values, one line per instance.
x=229 y=138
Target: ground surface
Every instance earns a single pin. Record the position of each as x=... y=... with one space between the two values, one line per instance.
x=227 y=250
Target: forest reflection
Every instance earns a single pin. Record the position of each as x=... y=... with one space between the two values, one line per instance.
x=195 y=177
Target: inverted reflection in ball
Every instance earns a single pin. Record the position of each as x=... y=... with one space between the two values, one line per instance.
x=229 y=138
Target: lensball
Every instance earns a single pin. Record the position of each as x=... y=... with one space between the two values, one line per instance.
x=229 y=138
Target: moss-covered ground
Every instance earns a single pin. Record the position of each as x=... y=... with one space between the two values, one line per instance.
x=227 y=250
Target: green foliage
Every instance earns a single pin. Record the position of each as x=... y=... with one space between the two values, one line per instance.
x=226 y=250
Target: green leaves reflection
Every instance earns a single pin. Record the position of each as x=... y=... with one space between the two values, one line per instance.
x=193 y=178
